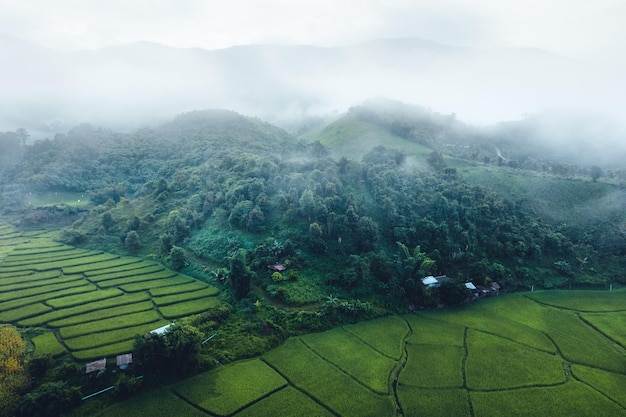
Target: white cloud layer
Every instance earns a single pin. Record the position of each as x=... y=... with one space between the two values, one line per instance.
x=576 y=28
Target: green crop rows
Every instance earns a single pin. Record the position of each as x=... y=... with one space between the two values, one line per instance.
x=132 y=279
x=103 y=314
x=123 y=265
x=111 y=323
x=84 y=308
x=357 y=359
x=232 y=387
x=186 y=296
x=47 y=344
x=177 y=289
x=105 y=338
x=173 y=311
x=100 y=278
x=92 y=303
x=505 y=356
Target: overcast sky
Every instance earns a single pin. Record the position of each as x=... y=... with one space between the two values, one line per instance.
x=586 y=29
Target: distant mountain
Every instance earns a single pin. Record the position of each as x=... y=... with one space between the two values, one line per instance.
x=131 y=85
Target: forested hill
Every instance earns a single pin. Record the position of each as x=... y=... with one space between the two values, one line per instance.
x=235 y=195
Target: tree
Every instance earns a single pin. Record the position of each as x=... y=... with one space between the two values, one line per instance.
x=132 y=242
x=13 y=376
x=23 y=135
x=239 y=274
x=49 y=400
x=177 y=258
x=174 y=352
x=107 y=221
x=435 y=160
x=596 y=172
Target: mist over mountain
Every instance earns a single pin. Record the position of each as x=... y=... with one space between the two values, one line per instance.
x=132 y=85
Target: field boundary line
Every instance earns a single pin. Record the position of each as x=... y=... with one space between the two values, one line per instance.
x=597 y=390
x=194 y=405
x=570 y=309
x=602 y=334
x=302 y=390
x=380 y=394
x=464 y=371
x=394 y=375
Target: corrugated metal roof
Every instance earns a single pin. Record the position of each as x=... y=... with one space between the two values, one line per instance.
x=429 y=280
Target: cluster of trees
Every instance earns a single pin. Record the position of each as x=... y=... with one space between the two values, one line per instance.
x=155 y=188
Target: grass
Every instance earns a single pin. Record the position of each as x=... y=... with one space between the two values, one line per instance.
x=124 y=264
x=584 y=301
x=434 y=332
x=64 y=264
x=385 y=335
x=75 y=300
x=47 y=344
x=13 y=275
x=126 y=273
x=34 y=249
x=111 y=323
x=43 y=289
x=40 y=258
x=474 y=316
x=29 y=277
x=230 y=388
x=346 y=137
x=187 y=308
x=176 y=289
x=38 y=283
x=571 y=399
x=46 y=296
x=494 y=363
x=132 y=279
x=103 y=314
x=84 y=308
x=612 y=325
x=580 y=343
x=23 y=312
x=319 y=379
x=433 y=366
x=186 y=296
x=110 y=337
x=114 y=262
x=434 y=403
x=610 y=384
x=156 y=403
x=290 y=402
x=162 y=282
x=109 y=350
x=354 y=357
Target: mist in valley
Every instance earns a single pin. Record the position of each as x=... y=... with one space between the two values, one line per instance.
x=539 y=76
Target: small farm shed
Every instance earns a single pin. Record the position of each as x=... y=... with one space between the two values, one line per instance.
x=161 y=330
x=431 y=281
x=277 y=267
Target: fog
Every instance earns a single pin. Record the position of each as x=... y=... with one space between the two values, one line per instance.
x=551 y=65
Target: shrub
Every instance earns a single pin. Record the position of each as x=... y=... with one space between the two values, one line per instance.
x=49 y=400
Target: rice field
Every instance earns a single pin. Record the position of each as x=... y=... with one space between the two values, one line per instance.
x=90 y=304
x=555 y=353
x=488 y=359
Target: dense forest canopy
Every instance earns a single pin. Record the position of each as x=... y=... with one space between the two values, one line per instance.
x=236 y=192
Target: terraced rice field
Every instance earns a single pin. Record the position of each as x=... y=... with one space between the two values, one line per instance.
x=91 y=304
x=515 y=355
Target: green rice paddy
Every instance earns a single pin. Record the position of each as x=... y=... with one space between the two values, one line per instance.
x=91 y=303
x=505 y=356
x=558 y=353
